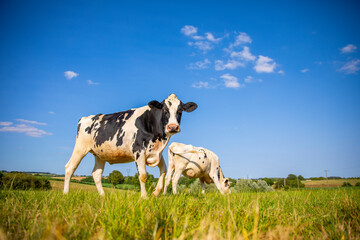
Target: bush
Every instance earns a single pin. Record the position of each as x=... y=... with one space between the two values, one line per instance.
x=346 y=184
x=357 y=184
x=247 y=185
x=24 y=181
x=88 y=179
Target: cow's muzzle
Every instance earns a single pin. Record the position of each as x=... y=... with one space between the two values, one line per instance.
x=173 y=128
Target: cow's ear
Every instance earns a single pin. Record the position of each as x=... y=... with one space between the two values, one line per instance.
x=155 y=104
x=189 y=107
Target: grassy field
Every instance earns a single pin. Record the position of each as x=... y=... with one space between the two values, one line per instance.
x=83 y=214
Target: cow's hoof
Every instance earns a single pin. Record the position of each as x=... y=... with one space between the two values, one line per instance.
x=156 y=193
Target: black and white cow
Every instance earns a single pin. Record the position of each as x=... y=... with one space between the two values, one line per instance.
x=138 y=135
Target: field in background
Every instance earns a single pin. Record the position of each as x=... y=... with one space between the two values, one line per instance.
x=332 y=183
x=83 y=214
x=75 y=178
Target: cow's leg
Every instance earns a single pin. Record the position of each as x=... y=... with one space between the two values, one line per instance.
x=78 y=154
x=97 y=174
x=202 y=185
x=141 y=167
x=175 y=180
x=214 y=175
x=169 y=174
x=162 y=168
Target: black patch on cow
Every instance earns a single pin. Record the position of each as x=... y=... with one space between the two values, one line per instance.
x=205 y=156
x=219 y=174
x=137 y=156
x=94 y=119
x=78 y=128
x=110 y=125
x=151 y=127
x=179 y=112
x=101 y=150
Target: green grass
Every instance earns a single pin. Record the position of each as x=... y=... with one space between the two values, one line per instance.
x=83 y=214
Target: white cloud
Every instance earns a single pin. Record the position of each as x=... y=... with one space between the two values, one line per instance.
x=30 y=122
x=211 y=37
x=200 y=84
x=90 y=82
x=189 y=30
x=305 y=70
x=5 y=123
x=281 y=72
x=244 y=54
x=264 y=65
x=70 y=74
x=202 y=45
x=200 y=64
x=231 y=81
x=51 y=112
x=348 y=48
x=242 y=38
x=231 y=64
x=23 y=128
x=350 y=67
x=249 y=79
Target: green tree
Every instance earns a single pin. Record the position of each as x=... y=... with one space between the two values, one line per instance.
x=269 y=181
x=291 y=177
x=116 y=178
x=301 y=178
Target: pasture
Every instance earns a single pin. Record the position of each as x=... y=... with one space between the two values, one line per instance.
x=83 y=214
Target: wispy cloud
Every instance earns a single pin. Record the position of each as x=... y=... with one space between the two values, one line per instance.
x=351 y=67
x=241 y=38
x=281 y=72
x=231 y=64
x=30 y=122
x=348 y=48
x=200 y=64
x=203 y=43
x=200 y=84
x=211 y=38
x=188 y=30
x=24 y=128
x=305 y=70
x=231 y=81
x=5 y=123
x=244 y=54
x=249 y=79
x=51 y=112
x=70 y=74
x=264 y=65
x=90 y=82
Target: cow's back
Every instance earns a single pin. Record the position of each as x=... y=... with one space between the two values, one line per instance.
x=111 y=136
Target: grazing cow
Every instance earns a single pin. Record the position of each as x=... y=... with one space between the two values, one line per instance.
x=195 y=162
x=138 y=135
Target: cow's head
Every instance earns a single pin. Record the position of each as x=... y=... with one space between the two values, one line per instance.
x=225 y=185
x=171 y=110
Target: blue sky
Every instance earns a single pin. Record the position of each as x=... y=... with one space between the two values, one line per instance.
x=277 y=83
